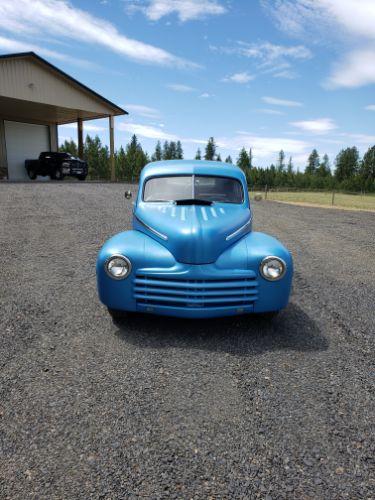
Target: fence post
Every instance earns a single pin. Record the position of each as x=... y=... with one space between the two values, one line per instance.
x=333 y=198
x=265 y=192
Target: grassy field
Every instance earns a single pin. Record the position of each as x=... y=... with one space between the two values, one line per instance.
x=348 y=201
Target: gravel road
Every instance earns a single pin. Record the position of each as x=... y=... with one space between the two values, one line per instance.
x=165 y=408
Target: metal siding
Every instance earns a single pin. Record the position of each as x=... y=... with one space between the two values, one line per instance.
x=3 y=153
x=25 y=79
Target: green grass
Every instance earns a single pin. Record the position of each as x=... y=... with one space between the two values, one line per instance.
x=349 y=201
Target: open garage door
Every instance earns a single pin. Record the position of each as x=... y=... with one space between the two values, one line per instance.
x=24 y=141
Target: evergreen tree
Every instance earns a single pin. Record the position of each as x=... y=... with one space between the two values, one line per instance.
x=172 y=151
x=179 y=151
x=120 y=162
x=198 y=154
x=281 y=162
x=166 y=151
x=243 y=160
x=324 y=169
x=97 y=157
x=290 y=166
x=136 y=159
x=210 y=150
x=157 y=156
x=250 y=158
x=69 y=147
x=218 y=157
x=312 y=163
x=228 y=159
x=367 y=169
x=347 y=164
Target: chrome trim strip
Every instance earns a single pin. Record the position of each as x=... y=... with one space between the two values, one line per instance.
x=238 y=231
x=271 y=257
x=160 y=235
x=118 y=256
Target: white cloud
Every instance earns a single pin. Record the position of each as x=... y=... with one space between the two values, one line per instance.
x=368 y=140
x=60 y=19
x=206 y=95
x=370 y=107
x=355 y=70
x=319 y=126
x=179 y=87
x=264 y=147
x=186 y=10
x=270 y=58
x=11 y=45
x=281 y=102
x=351 y=22
x=244 y=77
x=147 y=131
x=268 y=111
x=141 y=110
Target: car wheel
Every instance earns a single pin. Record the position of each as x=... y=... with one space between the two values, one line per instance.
x=81 y=177
x=32 y=174
x=57 y=175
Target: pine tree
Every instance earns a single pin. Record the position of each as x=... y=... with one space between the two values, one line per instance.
x=218 y=157
x=324 y=169
x=243 y=160
x=347 y=164
x=198 y=154
x=166 y=151
x=210 y=150
x=367 y=169
x=172 y=151
x=228 y=159
x=69 y=147
x=281 y=162
x=250 y=158
x=120 y=162
x=136 y=159
x=179 y=151
x=157 y=156
x=312 y=163
x=290 y=166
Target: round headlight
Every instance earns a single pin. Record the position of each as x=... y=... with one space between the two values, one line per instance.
x=118 y=267
x=272 y=268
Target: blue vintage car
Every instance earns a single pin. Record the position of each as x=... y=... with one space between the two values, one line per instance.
x=192 y=252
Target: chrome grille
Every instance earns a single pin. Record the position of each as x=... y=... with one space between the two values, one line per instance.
x=165 y=291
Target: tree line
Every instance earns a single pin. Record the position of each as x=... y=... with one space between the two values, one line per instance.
x=350 y=172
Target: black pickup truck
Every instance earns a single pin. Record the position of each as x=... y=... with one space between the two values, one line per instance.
x=57 y=166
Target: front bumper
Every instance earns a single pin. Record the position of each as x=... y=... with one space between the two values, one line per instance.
x=158 y=284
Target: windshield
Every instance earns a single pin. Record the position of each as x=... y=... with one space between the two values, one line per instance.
x=187 y=188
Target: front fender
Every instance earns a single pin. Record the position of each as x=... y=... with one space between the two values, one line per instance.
x=138 y=247
x=273 y=295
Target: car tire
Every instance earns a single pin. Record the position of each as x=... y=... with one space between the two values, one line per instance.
x=32 y=174
x=57 y=175
x=81 y=177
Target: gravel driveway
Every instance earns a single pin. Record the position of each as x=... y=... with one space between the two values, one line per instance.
x=166 y=408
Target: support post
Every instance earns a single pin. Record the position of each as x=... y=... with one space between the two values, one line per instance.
x=112 y=147
x=80 y=138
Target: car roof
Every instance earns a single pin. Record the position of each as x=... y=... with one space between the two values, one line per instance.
x=190 y=167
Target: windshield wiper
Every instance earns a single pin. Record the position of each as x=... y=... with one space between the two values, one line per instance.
x=193 y=201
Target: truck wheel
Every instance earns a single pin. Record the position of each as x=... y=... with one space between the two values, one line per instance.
x=57 y=175
x=32 y=174
x=81 y=177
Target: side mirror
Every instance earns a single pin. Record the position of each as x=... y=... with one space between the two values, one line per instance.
x=128 y=195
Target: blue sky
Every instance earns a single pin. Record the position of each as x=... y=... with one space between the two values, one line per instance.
x=266 y=74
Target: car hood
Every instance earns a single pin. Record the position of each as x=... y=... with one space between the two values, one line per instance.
x=194 y=234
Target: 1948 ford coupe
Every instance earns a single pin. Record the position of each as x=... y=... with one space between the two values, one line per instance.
x=192 y=252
